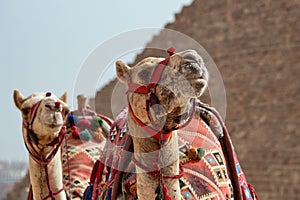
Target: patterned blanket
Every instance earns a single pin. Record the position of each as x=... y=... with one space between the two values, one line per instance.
x=83 y=146
x=210 y=166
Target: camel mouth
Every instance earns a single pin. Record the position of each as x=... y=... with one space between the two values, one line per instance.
x=54 y=125
x=195 y=79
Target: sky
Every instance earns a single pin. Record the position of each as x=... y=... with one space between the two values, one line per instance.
x=44 y=45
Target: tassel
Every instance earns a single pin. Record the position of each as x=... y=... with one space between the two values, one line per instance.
x=96 y=123
x=84 y=124
x=166 y=195
x=201 y=153
x=98 y=136
x=75 y=132
x=85 y=135
x=72 y=120
x=192 y=153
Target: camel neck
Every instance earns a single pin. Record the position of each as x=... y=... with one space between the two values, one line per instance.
x=45 y=177
x=146 y=150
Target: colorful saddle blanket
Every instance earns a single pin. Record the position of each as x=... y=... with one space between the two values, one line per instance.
x=85 y=140
x=210 y=166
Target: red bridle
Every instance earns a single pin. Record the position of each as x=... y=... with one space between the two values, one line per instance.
x=33 y=152
x=154 y=130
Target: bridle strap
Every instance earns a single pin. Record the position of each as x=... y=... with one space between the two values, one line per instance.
x=155 y=169
x=33 y=111
x=150 y=89
x=146 y=89
x=154 y=130
x=34 y=153
x=157 y=134
x=141 y=89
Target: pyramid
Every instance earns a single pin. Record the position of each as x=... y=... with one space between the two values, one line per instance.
x=256 y=47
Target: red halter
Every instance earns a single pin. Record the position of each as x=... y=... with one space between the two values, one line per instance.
x=32 y=138
x=154 y=131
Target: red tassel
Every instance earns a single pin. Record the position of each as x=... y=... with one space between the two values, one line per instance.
x=75 y=132
x=167 y=196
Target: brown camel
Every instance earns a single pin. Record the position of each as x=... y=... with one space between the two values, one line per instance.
x=167 y=144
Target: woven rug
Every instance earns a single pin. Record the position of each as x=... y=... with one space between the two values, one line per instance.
x=80 y=151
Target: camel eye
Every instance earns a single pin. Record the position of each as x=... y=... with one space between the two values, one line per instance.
x=144 y=75
x=25 y=111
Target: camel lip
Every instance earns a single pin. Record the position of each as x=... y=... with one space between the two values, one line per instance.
x=194 y=79
x=53 y=125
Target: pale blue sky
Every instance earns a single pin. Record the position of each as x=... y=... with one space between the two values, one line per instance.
x=44 y=43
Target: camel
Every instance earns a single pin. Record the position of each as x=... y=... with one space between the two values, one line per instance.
x=59 y=165
x=194 y=77
x=180 y=147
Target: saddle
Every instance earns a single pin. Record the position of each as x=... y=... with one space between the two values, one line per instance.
x=211 y=169
x=84 y=143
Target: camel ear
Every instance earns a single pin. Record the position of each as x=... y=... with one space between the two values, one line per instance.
x=18 y=99
x=64 y=97
x=122 y=71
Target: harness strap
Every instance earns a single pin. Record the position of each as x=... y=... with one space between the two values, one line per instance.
x=155 y=170
x=51 y=194
x=33 y=111
x=48 y=159
x=153 y=132
x=143 y=89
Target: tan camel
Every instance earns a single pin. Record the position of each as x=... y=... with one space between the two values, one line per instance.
x=181 y=147
x=167 y=144
x=56 y=174
x=184 y=78
x=43 y=132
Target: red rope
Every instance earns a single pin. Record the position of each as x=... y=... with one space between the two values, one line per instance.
x=51 y=194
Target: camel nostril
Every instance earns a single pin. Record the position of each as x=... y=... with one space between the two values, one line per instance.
x=57 y=104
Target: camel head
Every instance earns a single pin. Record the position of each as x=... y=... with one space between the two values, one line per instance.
x=184 y=78
x=43 y=115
